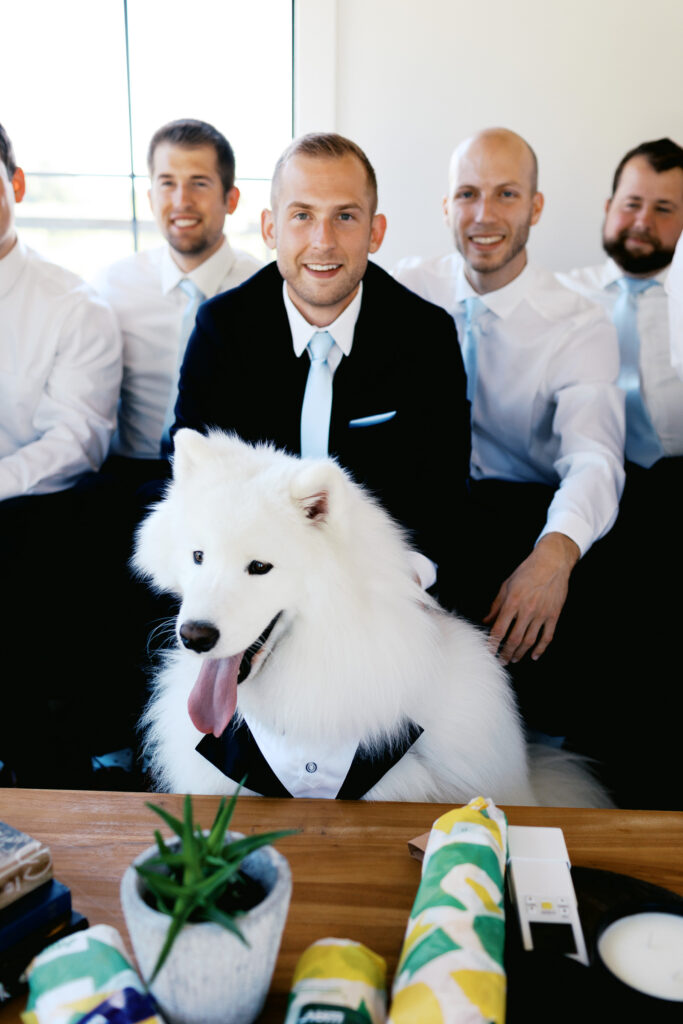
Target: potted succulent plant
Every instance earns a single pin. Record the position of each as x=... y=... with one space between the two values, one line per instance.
x=205 y=913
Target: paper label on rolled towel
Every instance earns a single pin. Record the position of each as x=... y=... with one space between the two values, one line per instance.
x=337 y=981
x=451 y=965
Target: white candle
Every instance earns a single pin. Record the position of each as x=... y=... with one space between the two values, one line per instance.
x=646 y=952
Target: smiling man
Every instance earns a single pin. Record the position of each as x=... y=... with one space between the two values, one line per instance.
x=322 y=351
x=643 y=221
x=547 y=418
x=155 y=294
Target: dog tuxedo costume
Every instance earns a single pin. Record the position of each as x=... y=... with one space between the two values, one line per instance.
x=345 y=773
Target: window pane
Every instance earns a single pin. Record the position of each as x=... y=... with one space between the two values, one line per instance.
x=226 y=63
x=84 y=250
x=80 y=222
x=63 y=85
x=75 y=197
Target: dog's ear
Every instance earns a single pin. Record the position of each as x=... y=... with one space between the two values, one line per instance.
x=317 y=489
x=190 y=447
x=154 y=549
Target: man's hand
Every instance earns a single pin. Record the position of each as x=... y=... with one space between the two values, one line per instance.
x=527 y=607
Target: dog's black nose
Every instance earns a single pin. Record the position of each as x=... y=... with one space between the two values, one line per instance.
x=199 y=636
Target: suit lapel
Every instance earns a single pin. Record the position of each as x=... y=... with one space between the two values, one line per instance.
x=274 y=380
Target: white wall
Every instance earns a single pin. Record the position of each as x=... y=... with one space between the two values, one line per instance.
x=582 y=81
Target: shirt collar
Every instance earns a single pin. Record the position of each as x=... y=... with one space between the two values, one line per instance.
x=208 y=276
x=535 y=286
x=503 y=300
x=11 y=266
x=611 y=273
x=341 y=329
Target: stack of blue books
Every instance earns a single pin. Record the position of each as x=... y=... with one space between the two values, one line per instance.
x=35 y=908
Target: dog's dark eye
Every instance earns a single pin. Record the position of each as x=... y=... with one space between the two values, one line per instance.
x=259 y=568
x=198 y=557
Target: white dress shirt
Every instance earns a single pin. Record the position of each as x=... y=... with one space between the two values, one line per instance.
x=546 y=407
x=60 y=374
x=143 y=290
x=661 y=389
x=342 y=329
x=674 y=289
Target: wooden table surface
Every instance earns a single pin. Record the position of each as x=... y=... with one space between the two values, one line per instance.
x=353 y=875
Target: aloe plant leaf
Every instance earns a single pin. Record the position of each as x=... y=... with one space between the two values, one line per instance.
x=226 y=921
x=170 y=859
x=161 y=845
x=239 y=848
x=207 y=885
x=222 y=820
x=173 y=823
x=162 y=884
x=174 y=927
x=200 y=870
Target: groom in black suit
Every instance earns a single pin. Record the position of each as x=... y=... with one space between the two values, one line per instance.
x=399 y=419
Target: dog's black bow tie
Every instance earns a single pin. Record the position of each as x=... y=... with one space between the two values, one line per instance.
x=236 y=754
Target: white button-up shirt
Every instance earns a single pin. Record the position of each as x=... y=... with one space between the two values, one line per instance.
x=661 y=389
x=546 y=407
x=143 y=290
x=60 y=374
x=674 y=289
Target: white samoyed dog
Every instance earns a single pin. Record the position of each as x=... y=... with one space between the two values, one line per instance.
x=303 y=629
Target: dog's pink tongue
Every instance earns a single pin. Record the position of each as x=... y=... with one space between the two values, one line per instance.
x=213 y=699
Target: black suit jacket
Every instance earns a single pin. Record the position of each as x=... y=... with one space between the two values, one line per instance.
x=240 y=373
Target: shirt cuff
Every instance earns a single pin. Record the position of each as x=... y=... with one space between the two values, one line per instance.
x=571 y=526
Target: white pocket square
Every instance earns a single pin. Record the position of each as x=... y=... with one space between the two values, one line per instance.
x=372 y=421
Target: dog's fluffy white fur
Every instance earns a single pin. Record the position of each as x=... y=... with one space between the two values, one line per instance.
x=359 y=648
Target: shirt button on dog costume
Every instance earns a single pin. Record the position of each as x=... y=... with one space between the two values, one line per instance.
x=311 y=767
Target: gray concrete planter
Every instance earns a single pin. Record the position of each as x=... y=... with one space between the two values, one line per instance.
x=210 y=977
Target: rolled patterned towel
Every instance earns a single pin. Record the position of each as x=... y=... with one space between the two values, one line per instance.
x=82 y=973
x=451 y=967
x=338 y=981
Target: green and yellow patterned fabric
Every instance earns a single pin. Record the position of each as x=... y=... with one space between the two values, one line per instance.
x=451 y=965
x=79 y=974
x=340 y=982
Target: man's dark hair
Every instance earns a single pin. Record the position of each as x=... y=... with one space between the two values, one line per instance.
x=661 y=154
x=7 y=153
x=325 y=145
x=190 y=133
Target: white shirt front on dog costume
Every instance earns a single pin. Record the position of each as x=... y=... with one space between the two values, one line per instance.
x=314 y=771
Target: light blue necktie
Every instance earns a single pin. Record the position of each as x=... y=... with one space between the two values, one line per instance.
x=317 y=405
x=642 y=443
x=195 y=296
x=474 y=307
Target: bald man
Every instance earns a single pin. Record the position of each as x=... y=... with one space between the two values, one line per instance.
x=547 y=417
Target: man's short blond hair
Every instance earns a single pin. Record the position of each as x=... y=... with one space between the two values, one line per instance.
x=324 y=146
